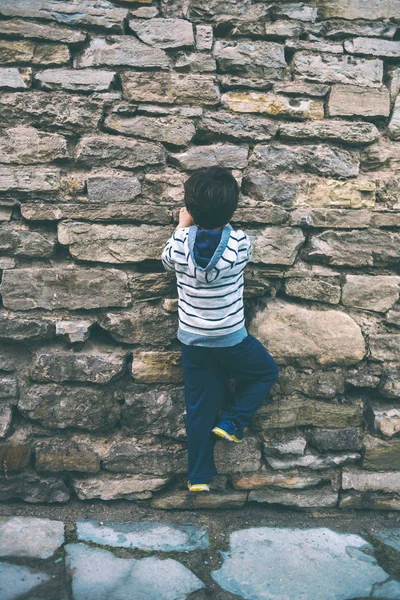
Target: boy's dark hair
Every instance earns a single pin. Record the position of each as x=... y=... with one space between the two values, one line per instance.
x=211 y=196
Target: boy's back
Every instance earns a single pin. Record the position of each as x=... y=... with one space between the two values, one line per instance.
x=210 y=304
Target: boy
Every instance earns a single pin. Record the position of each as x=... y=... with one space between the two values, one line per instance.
x=209 y=257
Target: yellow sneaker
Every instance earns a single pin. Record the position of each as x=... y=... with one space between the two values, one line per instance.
x=198 y=487
x=227 y=430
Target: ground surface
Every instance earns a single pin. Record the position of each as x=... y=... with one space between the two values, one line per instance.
x=269 y=553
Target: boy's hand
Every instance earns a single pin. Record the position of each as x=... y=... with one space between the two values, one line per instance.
x=185 y=218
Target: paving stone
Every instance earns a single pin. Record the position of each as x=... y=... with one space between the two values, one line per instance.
x=307 y=563
x=98 y=575
x=163 y=537
x=16 y=581
x=30 y=537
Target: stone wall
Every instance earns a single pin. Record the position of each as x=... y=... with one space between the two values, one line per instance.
x=106 y=108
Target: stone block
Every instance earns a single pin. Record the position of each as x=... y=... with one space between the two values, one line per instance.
x=356 y=101
x=385 y=420
x=15 y=79
x=204 y=37
x=378 y=293
x=246 y=128
x=154 y=367
x=306 y=337
x=40 y=31
x=116 y=151
x=317 y=384
x=32 y=488
x=276 y=245
x=23 y=51
x=146 y=456
x=331 y=131
x=19 y=240
x=308 y=498
x=287 y=480
x=373 y=47
x=332 y=193
x=338 y=69
x=184 y=501
x=357 y=9
x=174 y=130
x=113 y=486
x=297 y=10
x=254 y=58
x=14 y=456
x=238 y=458
x=385 y=347
x=121 y=51
x=265 y=188
x=320 y=289
x=52 y=288
x=169 y=88
x=273 y=105
x=331 y=218
x=337 y=439
x=163 y=32
x=394 y=125
x=75 y=81
x=29 y=179
x=313 y=461
x=58 y=455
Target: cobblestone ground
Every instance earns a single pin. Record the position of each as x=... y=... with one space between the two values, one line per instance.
x=122 y=552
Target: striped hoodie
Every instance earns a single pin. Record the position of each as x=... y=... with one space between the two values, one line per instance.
x=210 y=299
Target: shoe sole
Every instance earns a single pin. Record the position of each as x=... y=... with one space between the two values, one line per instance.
x=224 y=434
x=198 y=487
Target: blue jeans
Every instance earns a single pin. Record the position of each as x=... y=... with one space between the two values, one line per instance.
x=206 y=371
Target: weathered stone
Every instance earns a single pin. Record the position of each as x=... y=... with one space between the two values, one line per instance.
x=362 y=481
x=145 y=12
x=317 y=384
x=170 y=129
x=32 y=488
x=94 y=365
x=316 y=337
x=5 y=420
x=273 y=104
x=370 y=500
x=196 y=62
x=96 y=212
x=163 y=33
x=313 y=461
x=14 y=78
x=231 y=459
x=352 y=100
x=330 y=47
x=151 y=285
x=340 y=28
x=297 y=10
x=280 y=29
x=56 y=455
x=265 y=215
x=288 y=479
x=284 y=446
x=110 y=486
x=115 y=187
x=113 y=243
x=184 y=501
x=92 y=12
x=385 y=346
x=121 y=50
x=16 y=537
x=52 y=288
x=332 y=218
x=51 y=109
x=391 y=383
x=116 y=151
x=373 y=47
x=357 y=9
x=223 y=155
x=74 y=330
x=338 y=69
x=74 y=80
x=308 y=498
x=146 y=324
x=228 y=10
x=384 y=155
x=151 y=458
x=8 y=388
x=394 y=86
x=296 y=411
x=26 y=51
x=385 y=420
x=204 y=37
x=381 y=455
x=265 y=188
x=236 y=127
x=66 y=406
x=26 y=145
x=372 y=247
x=20 y=329
x=393 y=317
x=153 y=367
x=330 y=130
x=155 y=412
x=394 y=125
x=251 y=58
x=169 y=88
x=29 y=179
x=39 y=31
x=386 y=219
x=378 y=293
x=366 y=376
x=330 y=192
x=301 y=88
x=150 y=576
x=18 y=240
x=276 y=245
x=319 y=159
x=319 y=288
x=337 y=439
x=14 y=456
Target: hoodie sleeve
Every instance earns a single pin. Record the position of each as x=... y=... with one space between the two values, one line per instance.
x=173 y=251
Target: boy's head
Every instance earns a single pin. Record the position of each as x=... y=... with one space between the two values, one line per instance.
x=211 y=196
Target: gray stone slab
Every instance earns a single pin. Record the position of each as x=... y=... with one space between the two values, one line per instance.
x=98 y=575
x=30 y=536
x=390 y=590
x=148 y=535
x=390 y=537
x=275 y=563
x=16 y=580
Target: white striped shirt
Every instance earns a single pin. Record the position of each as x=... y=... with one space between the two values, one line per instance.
x=210 y=299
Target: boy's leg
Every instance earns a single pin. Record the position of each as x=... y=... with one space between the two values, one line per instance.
x=255 y=371
x=205 y=387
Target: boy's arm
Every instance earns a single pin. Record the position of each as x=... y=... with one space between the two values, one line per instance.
x=166 y=256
